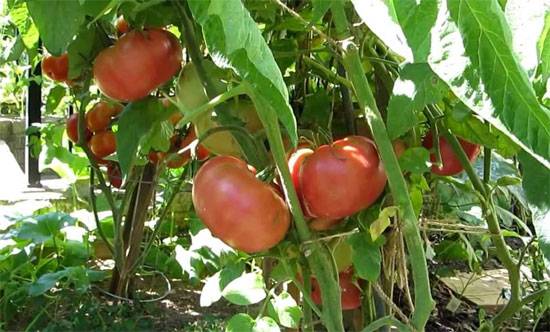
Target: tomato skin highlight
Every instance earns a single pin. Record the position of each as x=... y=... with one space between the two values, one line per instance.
x=56 y=67
x=450 y=164
x=103 y=144
x=138 y=63
x=341 y=179
x=71 y=127
x=350 y=294
x=295 y=164
x=239 y=209
x=99 y=117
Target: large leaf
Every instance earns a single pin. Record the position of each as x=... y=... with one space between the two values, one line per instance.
x=471 y=51
x=57 y=21
x=245 y=290
x=403 y=25
x=233 y=37
x=526 y=20
x=536 y=184
x=19 y=15
x=135 y=122
x=366 y=256
x=44 y=227
x=543 y=47
x=416 y=87
x=284 y=309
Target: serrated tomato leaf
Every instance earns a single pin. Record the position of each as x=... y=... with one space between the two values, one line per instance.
x=471 y=50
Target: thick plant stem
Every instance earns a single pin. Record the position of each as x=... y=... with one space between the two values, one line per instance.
x=503 y=253
x=318 y=256
x=424 y=303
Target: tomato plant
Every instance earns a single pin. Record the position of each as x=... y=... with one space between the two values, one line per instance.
x=238 y=208
x=138 y=63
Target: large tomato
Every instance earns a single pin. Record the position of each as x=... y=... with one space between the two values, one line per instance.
x=72 y=128
x=242 y=211
x=138 y=63
x=99 y=117
x=191 y=93
x=103 y=144
x=341 y=179
x=350 y=294
x=450 y=164
x=56 y=67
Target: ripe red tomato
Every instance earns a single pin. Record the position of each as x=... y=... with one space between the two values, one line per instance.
x=181 y=158
x=56 y=67
x=122 y=25
x=450 y=165
x=103 y=144
x=242 y=211
x=99 y=117
x=114 y=174
x=350 y=294
x=156 y=156
x=341 y=179
x=72 y=129
x=138 y=63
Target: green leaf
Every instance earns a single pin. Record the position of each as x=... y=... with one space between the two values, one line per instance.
x=54 y=98
x=135 y=122
x=265 y=324
x=285 y=52
x=379 y=16
x=57 y=21
x=536 y=184
x=415 y=160
x=84 y=48
x=543 y=47
x=475 y=130
x=240 y=323
x=233 y=37
x=14 y=51
x=245 y=290
x=382 y=222
x=317 y=110
x=526 y=20
x=416 y=87
x=471 y=51
x=79 y=276
x=19 y=14
x=404 y=27
x=366 y=256
x=320 y=8
x=41 y=228
x=284 y=309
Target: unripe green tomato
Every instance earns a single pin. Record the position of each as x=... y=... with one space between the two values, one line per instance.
x=341 y=251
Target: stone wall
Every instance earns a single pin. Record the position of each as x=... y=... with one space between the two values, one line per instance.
x=12 y=131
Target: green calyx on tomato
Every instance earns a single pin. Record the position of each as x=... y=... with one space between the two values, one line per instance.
x=239 y=209
x=138 y=63
x=450 y=164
